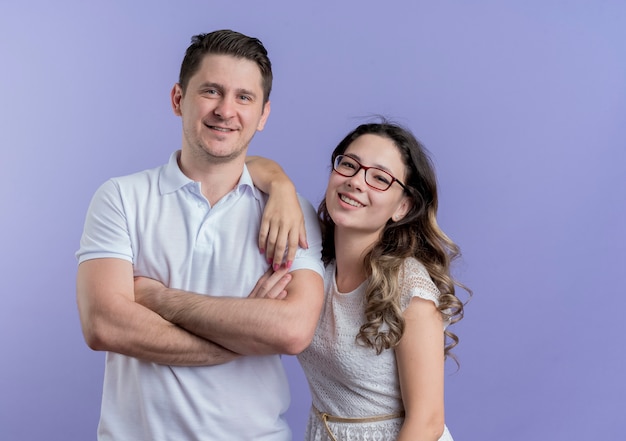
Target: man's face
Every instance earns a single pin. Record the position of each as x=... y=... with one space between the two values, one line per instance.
x=222 y=108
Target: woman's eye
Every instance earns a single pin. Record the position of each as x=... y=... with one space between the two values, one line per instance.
x=382 y=178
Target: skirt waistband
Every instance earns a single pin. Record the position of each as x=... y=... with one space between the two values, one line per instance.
x=326 y=418
x=372 y=419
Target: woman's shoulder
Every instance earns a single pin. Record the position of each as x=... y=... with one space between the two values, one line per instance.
x=416 y=282
x=411 y=264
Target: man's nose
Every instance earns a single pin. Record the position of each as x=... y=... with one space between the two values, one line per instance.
x=225 y=108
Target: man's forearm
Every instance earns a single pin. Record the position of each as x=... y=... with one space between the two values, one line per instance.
x=179 y=347
x=248 y=326
x=147 y=336
x=112 y=321
x=222 y=319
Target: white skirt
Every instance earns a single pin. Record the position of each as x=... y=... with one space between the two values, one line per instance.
x=386 y=430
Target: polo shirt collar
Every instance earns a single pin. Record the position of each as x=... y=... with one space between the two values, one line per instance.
x=245 y=182
x=173 y=179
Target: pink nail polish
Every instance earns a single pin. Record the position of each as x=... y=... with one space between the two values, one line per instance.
x=276 y=267
x=288 y=264
x=262 y=250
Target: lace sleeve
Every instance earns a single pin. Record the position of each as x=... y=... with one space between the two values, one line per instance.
x=416 y=282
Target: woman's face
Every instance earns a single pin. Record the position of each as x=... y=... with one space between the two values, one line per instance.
x=352 y=203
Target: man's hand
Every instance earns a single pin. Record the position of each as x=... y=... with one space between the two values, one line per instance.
x=272 y=284
x=148 y=291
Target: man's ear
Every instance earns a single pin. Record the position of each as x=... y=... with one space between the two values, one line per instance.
x=176 y=96
x=264 y=116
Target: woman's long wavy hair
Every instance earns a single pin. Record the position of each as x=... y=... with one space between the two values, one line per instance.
x=416 y=235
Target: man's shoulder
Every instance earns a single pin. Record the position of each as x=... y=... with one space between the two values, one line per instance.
x=310 y=214
x=304 y=202
x=140 y=181
x=136 y=184
x=139 y=176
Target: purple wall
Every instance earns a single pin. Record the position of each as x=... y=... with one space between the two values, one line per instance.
x=523 y=105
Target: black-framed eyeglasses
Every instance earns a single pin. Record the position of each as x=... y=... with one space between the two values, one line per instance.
x=378 y=179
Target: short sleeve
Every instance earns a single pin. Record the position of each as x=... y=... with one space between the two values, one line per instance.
x=416 y=282
x=106 y=229
x=310 y=258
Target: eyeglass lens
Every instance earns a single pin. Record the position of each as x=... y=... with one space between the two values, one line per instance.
x=374 y=177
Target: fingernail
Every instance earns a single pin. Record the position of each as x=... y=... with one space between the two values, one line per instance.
x=288 y=264
x=276 y=267
x=262 y=250
x=269 y=260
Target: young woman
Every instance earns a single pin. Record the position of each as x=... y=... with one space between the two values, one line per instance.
x=376 y=364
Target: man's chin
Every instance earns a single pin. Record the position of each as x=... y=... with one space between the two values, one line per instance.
x=223 y=155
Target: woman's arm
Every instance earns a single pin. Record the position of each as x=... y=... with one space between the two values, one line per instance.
x=282 y=225
x=420 y=358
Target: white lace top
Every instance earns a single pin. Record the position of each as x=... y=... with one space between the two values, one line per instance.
x=350 y=380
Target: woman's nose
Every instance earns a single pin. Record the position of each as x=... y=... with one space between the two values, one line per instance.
x=358 y=180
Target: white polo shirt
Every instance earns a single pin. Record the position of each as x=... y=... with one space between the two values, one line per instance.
x=159 y=220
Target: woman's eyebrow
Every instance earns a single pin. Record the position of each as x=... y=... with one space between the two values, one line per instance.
x=379 y=166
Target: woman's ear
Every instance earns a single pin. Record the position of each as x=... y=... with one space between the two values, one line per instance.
x=405 y=206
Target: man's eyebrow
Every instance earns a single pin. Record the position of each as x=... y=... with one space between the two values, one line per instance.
x=208 y=85
x=246 y=92
x=212 y=85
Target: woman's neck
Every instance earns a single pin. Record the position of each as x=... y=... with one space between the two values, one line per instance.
x=350 y=251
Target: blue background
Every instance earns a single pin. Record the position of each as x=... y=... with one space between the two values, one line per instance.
x=522 y=104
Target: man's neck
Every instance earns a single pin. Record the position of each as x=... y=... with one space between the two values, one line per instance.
x=216 y=178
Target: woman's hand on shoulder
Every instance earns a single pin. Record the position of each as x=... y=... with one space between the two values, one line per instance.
x=282 y=226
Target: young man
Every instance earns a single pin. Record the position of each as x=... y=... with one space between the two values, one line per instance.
x=169 y=256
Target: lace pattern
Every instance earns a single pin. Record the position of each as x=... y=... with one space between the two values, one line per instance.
x=348 y=379
x=380 y=431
